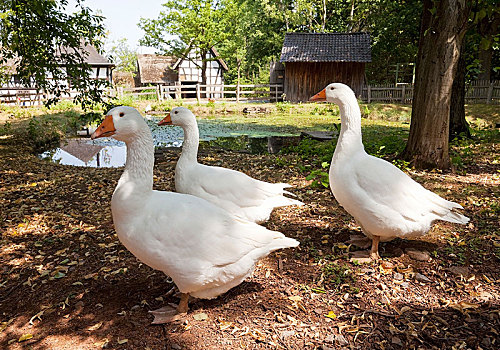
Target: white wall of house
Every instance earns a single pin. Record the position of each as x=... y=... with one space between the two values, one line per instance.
x=101 y=72
x=189 y=72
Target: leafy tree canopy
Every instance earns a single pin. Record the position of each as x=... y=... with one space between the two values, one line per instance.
x=198 y=24
x=124 y=57
x=45 y=42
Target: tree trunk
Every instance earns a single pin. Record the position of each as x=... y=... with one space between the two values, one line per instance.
x=485 y=56
x=204 y=70
x=438 y=54
x=488 y=28
x=458 y=125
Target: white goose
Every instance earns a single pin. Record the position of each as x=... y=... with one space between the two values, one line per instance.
x=204 y=249
x=385 y=202
x=231 y=190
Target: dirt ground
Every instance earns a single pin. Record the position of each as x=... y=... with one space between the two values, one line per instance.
x=66 y=282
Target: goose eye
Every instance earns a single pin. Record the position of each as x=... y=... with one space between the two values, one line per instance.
x=332 y=88
x=176 y=112
x=122 y=114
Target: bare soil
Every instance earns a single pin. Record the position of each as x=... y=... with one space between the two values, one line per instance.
x=66 y=282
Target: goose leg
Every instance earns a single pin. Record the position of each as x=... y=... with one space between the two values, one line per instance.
x=183 y=304
x=169 y=314
x=374 y=251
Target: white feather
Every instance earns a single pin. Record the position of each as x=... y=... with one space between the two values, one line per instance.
x=203 y=248
x=232 y=190
x=384 y=200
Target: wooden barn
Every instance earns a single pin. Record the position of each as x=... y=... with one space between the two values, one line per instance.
x=314 y=60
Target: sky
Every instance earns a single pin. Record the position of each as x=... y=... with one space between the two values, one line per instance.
x=122 y=17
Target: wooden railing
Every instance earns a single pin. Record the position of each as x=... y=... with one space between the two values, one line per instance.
x=481 y=91
x=237 y=92
x=21 y=96
x=476 y=92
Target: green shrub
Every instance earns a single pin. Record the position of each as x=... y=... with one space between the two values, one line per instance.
x=283 y=107
x=5 y=128
x=63 y=106
x=126 y=100
x=320 y=177
x=43 y=135
x=167 y=105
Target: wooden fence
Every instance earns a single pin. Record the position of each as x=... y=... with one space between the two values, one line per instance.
x=477 y=92
x=21 y=96
x=238 y=92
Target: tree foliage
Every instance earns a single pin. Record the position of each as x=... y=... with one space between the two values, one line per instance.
x=249 y=33
x=46 y=43
x=124 y=57
x=187 y=25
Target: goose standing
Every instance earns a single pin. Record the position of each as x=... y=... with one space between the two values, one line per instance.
x=205 y=250
x=229 y=189
x=385 y=201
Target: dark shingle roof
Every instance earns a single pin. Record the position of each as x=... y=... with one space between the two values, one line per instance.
x=326 y=47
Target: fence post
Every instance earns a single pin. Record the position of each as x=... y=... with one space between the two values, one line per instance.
x=198 y=92
x=403 y=93
x=369 y=92
x=276 y=93
x=489 y=97
x=238 y=91
x=177 y=90
x=158 y=92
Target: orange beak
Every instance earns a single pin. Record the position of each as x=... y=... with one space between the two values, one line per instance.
x=107 y=128
x=166 y=121
x=320 y=96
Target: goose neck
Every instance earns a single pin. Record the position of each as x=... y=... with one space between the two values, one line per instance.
x=140 y=161
x=191 y=142
x=350 y=116
x=350 y=133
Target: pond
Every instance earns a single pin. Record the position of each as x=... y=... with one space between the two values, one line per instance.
x=107 y=152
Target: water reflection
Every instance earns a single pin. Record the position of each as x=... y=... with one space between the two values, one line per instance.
x=107 y=152
x=83 y=152
x=253 y=145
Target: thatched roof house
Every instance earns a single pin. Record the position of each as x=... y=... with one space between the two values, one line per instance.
x=155 y=69
x=168 y=70
x=313 y=60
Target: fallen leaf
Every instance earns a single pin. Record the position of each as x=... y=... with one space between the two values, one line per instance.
x=5 y=324
x=404 y=309
x=38 y=315
x=25 y=337
x=95 y=327
x=331 y=315
x=122 y=341
x=59 y=274
x=200 y=316
x=225 y=325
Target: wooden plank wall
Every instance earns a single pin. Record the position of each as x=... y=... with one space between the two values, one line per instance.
x=304 y=79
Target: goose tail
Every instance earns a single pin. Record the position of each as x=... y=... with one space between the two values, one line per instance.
x=456 y=218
